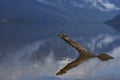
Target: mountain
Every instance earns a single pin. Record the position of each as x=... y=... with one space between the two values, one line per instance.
x=115 y=22
x=23 y=22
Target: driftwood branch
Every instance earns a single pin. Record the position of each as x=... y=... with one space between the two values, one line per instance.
x=72 y=43
x=84 y=54
x=81 y=58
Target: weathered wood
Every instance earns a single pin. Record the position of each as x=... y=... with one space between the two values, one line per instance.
x=84 y=55
x=77 y=46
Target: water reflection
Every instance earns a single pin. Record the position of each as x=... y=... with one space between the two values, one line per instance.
x=16 y=34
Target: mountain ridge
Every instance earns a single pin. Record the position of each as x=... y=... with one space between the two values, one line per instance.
x=114 y=22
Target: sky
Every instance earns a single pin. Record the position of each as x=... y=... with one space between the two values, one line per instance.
x=102 y=5
x=31 y=50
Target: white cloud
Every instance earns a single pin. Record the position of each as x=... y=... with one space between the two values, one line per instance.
x=76 y=4
x=101 y=41
x=107 y=40
x=115 y=52
x=18 y=66
x=47 y=2
x=95 y=69
x=103 y=5
x=91 y=69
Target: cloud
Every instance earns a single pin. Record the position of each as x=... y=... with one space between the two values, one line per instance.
x=107 y=40
x=51 y=2
x=77 y=4
x=102 y=5
x=18 y=67
x=28 y=71
x=101 y=41
x=95 y=69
